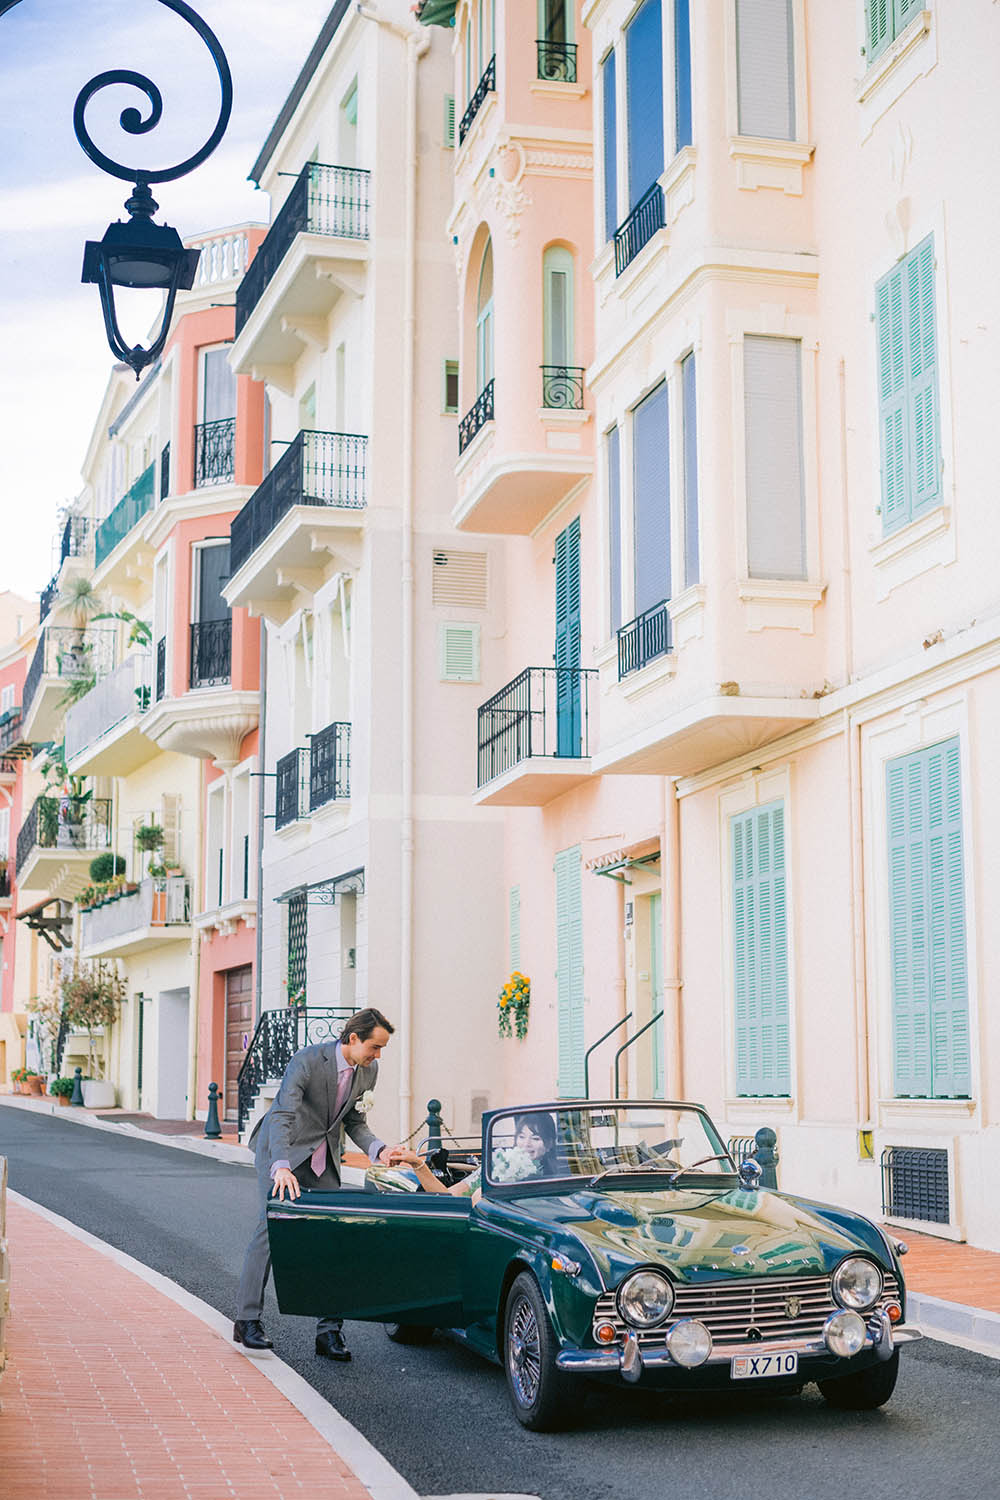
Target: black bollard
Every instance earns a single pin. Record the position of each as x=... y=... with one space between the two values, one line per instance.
x=76 y=1097
x=766 y=1157
x=434 y=1124
x=213 y=1130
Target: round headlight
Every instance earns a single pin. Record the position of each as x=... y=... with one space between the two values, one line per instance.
x=844 y=1333
x=689 y=1343
x=645 y=1299
x=857 y=1284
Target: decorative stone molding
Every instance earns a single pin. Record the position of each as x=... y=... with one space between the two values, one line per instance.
x=780 y=604
x=769 y=164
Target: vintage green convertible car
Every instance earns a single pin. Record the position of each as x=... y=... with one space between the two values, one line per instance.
x=617 y=1241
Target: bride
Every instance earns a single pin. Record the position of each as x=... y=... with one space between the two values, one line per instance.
x=532 y=1155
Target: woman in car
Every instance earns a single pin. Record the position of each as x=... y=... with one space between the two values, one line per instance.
x=532 y=1155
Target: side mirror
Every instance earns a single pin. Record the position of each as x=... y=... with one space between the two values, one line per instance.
x=750 y=1173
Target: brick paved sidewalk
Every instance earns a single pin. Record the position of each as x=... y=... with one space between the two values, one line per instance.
x=113 y=1391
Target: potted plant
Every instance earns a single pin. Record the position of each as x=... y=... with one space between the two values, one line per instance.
x=92 y=996
x=106 y=867
x=513 y=1004
x=81 y=602
x=17 y=1078
x=34 y=1082
x=61 y=1089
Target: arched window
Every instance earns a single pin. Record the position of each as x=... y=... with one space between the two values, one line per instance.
x=557 y=302
x=484 y=321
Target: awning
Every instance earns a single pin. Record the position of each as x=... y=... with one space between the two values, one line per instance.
x=630 y=858
x=436 y=12
x=325 y=892
x=57 y=930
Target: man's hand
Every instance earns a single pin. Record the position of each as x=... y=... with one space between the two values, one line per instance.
x=391 y=1156
x=285 y=1181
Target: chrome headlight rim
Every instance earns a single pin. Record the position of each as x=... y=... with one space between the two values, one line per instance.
x=676 y=1334
x=845 y=1333
x=841 y=1298
x=632 y=1277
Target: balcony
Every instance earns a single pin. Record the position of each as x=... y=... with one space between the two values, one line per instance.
x=312 y=503
x=214 y=452
x=211 y=653
x=638 y=229
x=158 y=912
x=643 y=639
x=63 y=656
x=486 y=85
x=562 y=387
x=104 y=730
x=556 y=62
x=48 y=597
x=291 y=781
x=535 y=737
x=6 y=888
x=308 y=779
x=127 y=514
x=476 y=417
x=13 y=745
x=315 y=251
x=57 y=842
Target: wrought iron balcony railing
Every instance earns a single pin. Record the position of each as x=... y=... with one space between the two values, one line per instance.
x=211 y=653
x=556 y=61
x=75 y=538
x=214 y=452
x=5 y=883
x=123 y=692
x=324 y=200
x=317 y=468
x=161 y=667
x=544 y=711
x=70 y=653
x=12 y=741
x=160 y=901
x=562 y=387
x=48 y=597
x=278 y=1036
x=486 y=85
x=127 y=513
x=330 y=765
x=643 y=639
x=62 y=823
x=291 y=781
x=164 y=471
x=476 y=417
x=638 y=229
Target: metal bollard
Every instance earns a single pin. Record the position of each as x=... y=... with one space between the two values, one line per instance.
x=213 y=1130
x=77 y=1095
x=766 y=1157
x=434 y=1124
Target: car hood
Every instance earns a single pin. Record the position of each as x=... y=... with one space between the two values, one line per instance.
x=699 y=1234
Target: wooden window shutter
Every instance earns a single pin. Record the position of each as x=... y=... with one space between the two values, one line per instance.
x=878 y=23
x=171 y=822
x=892 y=399
x=921 y=350
x=765 y=69
x=515 y=927
x=909 y=425
x=760 y=953
x=569 y=971
x=449 y=121
x=776 y=532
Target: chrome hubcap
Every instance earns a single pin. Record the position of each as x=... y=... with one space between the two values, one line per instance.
x=524 y=1352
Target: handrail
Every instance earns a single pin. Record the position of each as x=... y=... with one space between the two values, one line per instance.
x=627 y=1045
x=593 y=1048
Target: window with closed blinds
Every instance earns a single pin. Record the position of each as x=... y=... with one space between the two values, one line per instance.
x=775 y=480
x=909 y=426
x=644 y=82
x=689 y=440
x=760 y=952
x=765 y=69
x=609 y=97
x=928 y=948
x=651 y=499
x=613 y=447
x=569 y=972
x=682 y=74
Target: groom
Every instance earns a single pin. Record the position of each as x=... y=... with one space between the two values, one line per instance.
x=297 y=1145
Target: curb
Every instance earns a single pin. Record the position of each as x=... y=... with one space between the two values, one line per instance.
x=953 y=1323
x=376 y=1473
x=241 y=1155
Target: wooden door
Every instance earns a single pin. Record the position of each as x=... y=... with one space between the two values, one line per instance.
x=239 y=1025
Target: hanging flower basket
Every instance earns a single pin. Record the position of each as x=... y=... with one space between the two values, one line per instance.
x=512 y=1006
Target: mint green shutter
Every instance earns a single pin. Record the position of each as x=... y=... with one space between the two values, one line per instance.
x=903 y=13
x=921 y=337
x=892 y=398
x=908 y=388
x=931 y=1051
x=878 y=21
x=760 y=952
x=569 y=972
x=515 y=928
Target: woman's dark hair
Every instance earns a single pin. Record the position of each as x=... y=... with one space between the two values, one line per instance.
x=363 y=1023
x=542 y=1125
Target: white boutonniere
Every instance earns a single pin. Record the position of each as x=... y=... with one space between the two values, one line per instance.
x=365 y=1101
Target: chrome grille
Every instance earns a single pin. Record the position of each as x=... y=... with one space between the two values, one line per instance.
x=729 y=1309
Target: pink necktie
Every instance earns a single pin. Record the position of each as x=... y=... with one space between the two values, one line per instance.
x=344 y=1080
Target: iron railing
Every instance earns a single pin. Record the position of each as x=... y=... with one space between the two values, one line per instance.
x=211 y=653
x=640 y=226
x=69 y=652
x=486 y=85
x=330 y=765
x=317 y=468
x=556 y=61
x=915 y=1184
x=61 y=823
x=292 y=778
x=160 y=901
x=214 y=452
x=562 y=387
x=127 y=514
x=643 y=639
x=161 y=667
x=164 y=471
x=12 y=741
x=324 y=200
x=48 y=597
x=277 y=1037
x=75 y=538
x=476 y=417
x=5 y=885
x=545 y=711
x=113 y=700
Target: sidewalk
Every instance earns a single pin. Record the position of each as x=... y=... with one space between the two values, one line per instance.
x=120 y=1386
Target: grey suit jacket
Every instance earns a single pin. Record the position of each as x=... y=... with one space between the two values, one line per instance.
x=303 y=1111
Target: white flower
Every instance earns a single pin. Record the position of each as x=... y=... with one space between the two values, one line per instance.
x=365 y=1101
x=513 y=1164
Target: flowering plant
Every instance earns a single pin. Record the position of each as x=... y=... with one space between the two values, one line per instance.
x=295 y=997
x=365 y=1101
x=512 y=1006
x=513 y=1164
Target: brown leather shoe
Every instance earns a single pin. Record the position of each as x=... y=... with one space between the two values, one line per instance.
x=331 y=1345
x=250 y=1333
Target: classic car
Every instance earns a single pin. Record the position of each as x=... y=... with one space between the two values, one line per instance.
x=629 y=1246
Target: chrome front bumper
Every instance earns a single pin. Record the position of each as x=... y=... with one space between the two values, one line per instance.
x=630 y=1361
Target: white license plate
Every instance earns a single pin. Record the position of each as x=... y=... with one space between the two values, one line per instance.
x=757 y=1366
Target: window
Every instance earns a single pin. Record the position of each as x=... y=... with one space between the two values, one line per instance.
x=347 y=144
x=218 y=386
x=930 y=1003
x=682 y=74
x=689 y=456
x=651 y=500
x=555 y=21
x=613 y=449
x=449 y=121
x=515 y=928
x=644 y=73
x=567 y=643
x=760 y=952
x=484 y=321
x=884 y=20
x=776 y=532
x=765 y=69
x=557 y=275
x=908 y=388
x=608 y=93
x=449 y=400
x=569 y=972
x=307 y=410
x=215 y=843
x=7 y=696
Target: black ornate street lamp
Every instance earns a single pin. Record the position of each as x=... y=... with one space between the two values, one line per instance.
x=136 y=252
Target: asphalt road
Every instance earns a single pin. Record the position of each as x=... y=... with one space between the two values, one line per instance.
x=441 y=1416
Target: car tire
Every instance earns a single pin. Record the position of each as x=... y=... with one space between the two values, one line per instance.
x=540 y=1393
x=866 y=1390
x=408 y=1333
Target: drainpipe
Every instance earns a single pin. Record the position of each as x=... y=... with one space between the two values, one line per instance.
x=417 y=46
x=670 y=865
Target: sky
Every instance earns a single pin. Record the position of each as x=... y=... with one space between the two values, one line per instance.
x=54 y=357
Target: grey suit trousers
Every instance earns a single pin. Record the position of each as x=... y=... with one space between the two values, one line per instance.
x=257 y=1262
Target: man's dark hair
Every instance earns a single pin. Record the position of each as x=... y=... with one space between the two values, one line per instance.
x=363 y=1023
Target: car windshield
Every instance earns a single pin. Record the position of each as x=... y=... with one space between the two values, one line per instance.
x=598 y=1140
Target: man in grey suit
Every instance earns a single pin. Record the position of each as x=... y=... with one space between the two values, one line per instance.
x=297 y=1145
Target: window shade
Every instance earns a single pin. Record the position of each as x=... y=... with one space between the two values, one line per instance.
x=765 y=69
x=651 y=480
x=644 y=72
x=776 y=546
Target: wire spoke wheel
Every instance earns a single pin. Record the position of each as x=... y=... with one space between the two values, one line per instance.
x=541 y=1394
x=524 y=1352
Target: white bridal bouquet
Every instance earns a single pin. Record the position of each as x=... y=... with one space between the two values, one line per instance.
x=513 y=1164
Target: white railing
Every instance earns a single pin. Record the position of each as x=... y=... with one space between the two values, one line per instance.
x=123 y=692
x=160 y=901
x=223 y=256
